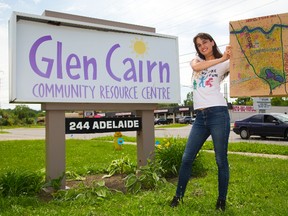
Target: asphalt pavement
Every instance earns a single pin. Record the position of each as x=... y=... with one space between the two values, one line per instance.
x=39 y=133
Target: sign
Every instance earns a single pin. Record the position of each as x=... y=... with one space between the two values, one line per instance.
x=161 y=111
x=259 y=63
x=241 y=108
x=101 y=125
x=262 y=103
x=72 y=61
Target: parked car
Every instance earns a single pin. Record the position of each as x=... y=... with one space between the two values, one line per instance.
x=186 y=120
x=177 y=119
x=158 y=121
x=263 y=125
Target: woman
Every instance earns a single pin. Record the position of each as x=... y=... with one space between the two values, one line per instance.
x=212 y=118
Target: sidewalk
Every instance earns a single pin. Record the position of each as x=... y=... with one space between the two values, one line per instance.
x=284 y=157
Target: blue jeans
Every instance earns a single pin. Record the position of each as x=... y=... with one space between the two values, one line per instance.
x=214 y=121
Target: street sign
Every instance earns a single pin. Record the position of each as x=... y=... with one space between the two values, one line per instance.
x=262 y=103
x=101 y=125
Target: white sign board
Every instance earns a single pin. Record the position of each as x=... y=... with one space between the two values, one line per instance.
x=261 y=103
x=58 y=60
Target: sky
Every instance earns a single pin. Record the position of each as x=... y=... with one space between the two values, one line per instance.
x=181 y=18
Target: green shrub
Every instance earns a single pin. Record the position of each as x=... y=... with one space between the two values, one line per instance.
x=97 y=191
x=146 y=177
x=55 y=183
x=169 y=155
x=16 y=183
x=121 y=166
x=29 y=121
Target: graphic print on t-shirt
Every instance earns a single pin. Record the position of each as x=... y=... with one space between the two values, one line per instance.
x=205 y=79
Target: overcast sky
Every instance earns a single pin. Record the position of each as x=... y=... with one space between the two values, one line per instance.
x=181 y=18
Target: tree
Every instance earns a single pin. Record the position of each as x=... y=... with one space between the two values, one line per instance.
x=189 y=99
x=243 y=101
x=7 y=117
x=276 y=101
x=24 y=114
x=279 y=101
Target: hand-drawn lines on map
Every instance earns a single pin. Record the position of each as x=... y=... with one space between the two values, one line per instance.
x=262 y=44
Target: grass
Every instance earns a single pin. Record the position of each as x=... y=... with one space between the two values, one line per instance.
x=258 y=186
x=233 y=147
x=82 y=156
x=176 y=125
x=252 y=147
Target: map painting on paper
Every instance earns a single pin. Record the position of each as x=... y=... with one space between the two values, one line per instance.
x=259 y=63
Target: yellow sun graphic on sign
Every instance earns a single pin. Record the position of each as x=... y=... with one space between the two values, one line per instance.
x=139 y=47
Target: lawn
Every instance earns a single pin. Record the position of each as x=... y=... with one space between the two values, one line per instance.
x=258 y=186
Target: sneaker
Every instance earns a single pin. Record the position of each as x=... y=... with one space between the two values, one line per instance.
x=175 y=201
x=221 y=205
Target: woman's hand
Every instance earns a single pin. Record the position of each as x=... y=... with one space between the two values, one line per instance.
x=198 y=66
x=227 y=53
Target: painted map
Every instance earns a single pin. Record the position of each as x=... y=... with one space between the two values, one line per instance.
x=259 y=63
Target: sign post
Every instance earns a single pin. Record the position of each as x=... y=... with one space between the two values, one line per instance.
x=55 y=145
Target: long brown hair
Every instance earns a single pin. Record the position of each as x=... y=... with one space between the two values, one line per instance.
x=216 y=51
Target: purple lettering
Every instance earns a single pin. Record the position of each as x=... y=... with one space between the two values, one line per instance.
x=45 y=90
x=102 y=92
x=150 y=69
x=163 y=67
x=70 y=66
x=87 y=62
x=140 y=71
x=59 y=60
x=72 y=62
x=130 y=74
x=156 y=93
x=32 y=58
x=34 y=90
x=108 y=62
x=117 y=92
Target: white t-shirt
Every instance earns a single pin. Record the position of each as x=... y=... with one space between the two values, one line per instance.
x=206 y=86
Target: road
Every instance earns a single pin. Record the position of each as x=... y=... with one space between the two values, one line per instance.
x=39 y=133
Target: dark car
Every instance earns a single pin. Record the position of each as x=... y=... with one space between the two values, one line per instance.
x=158 y=121
x=186 y=120
x=263 y=125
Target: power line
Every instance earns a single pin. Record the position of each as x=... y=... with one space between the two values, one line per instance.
x=205 y=15
x=200 y=25
x=190 y=53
